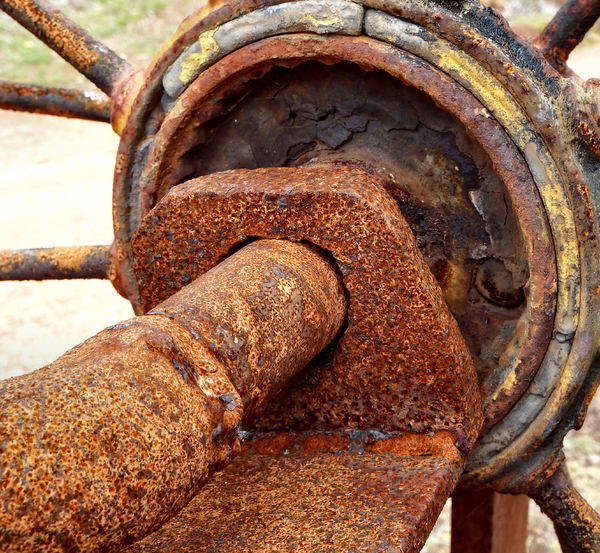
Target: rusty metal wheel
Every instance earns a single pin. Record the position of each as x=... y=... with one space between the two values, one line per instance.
x=486 y=144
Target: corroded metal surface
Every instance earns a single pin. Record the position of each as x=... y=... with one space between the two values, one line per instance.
x=566 y=30
x=360 y=492
x=55 y=263
x=576 y=523
x=323 y=17
x=93 y=59
x=113 y=438
x=539 y=390
x=501 y=195
x=63 y=102
x=446 y=188
x=400 y=376
x=401 y=364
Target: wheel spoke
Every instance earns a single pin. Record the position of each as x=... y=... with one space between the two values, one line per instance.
x=93 y=59
x=576 y=523
x=55 y=263
x=566 y=30
x=63 y=102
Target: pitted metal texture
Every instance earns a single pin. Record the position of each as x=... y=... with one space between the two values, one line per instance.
x=426 y=44
x=112 y=439
x=401 y=364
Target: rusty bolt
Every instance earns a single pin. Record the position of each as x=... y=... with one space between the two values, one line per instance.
x=112 y=439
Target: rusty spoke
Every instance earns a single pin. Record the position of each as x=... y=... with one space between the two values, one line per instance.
x=566 y=30
x=55 y=263
x=97 y=62
x=576 y=523
x=63 y=102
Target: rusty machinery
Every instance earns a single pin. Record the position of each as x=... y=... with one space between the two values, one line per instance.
x=322 y=183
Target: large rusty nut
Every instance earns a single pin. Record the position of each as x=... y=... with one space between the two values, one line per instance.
x=401 y=364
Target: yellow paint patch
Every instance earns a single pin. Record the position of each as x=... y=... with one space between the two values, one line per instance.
x=317 y=22
x=188 y=23
x=503 y=106
x=190 y=65
x=506 y=110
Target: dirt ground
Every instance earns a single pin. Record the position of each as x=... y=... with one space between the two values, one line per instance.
x=55 y=185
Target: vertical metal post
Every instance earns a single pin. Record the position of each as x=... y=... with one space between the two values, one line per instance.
x=485 y=521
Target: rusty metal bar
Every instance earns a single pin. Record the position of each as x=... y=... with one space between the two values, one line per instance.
x=63 y=102
x=576 y=523
x=566 y=30
x=116 y=436
x=55 y=263
x=93 y=59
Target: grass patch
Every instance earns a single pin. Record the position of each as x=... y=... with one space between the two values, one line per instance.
x=535 y=21
x=106 y=18
x=24 y=58
x=538 y=22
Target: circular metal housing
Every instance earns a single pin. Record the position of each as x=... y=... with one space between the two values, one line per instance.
x=477 y=139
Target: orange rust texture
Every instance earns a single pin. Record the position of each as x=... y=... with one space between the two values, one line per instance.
x=326 y=501
x=117 y=435
x=123 y=97
x=436 y=444
x=401 y=364
x=269 y=445
x=576 y=523
x=566 y=30
x=266 y=330
x=203 y=102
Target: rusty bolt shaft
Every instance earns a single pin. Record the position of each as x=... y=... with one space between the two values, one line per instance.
x=109 y=441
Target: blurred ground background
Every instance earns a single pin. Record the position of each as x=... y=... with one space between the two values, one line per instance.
x=55 y=189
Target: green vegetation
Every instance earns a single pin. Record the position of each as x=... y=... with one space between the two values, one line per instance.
x=108 y=17
x=536 y=21
x=136 y=29
x=118 y=23
x=531 y=24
